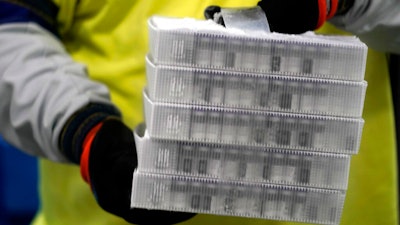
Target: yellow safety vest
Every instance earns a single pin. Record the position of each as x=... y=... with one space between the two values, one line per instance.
x=110 y=37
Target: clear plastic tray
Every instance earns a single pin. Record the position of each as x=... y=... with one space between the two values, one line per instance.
x=198 y=43
x=321 y=170
x=256 y=200
x=255 y=91
x=252 y=127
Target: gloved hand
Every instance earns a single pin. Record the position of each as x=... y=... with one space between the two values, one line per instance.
x=108 y=160
x=296 y=16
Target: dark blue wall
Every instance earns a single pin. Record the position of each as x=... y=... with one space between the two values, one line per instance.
x=18 y=186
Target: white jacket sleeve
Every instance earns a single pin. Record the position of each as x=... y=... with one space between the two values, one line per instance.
x=376 y=22
x=40 y=88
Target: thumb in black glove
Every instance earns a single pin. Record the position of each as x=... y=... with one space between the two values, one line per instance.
x=295 y=16
x=108 y=160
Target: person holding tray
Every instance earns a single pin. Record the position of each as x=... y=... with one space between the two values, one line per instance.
x=71 y=79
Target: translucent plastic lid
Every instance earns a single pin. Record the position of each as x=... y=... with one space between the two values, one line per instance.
x=224 y=88
x=241 y=163
x=252 y=127
x=200 y=43
x=256 y=200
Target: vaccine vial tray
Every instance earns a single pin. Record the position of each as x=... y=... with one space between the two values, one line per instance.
x=241 y=163
x=198 y=43
x=252 y=127
x=272 y=92
x=234 y=198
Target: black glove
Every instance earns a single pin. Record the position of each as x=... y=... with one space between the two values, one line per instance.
x=295 y=16
x=108 y=159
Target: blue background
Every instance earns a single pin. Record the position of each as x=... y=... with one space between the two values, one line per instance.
x=18 y=186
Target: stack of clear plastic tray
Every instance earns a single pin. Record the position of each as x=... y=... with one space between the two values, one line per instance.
x=260 y=127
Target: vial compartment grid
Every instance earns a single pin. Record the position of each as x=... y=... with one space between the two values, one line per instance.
x=255 y=91
x=300 y=168
x=195 y=45
x=252 y=128
x=255 y=200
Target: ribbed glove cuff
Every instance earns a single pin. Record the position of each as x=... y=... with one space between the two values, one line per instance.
x=79 y=125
